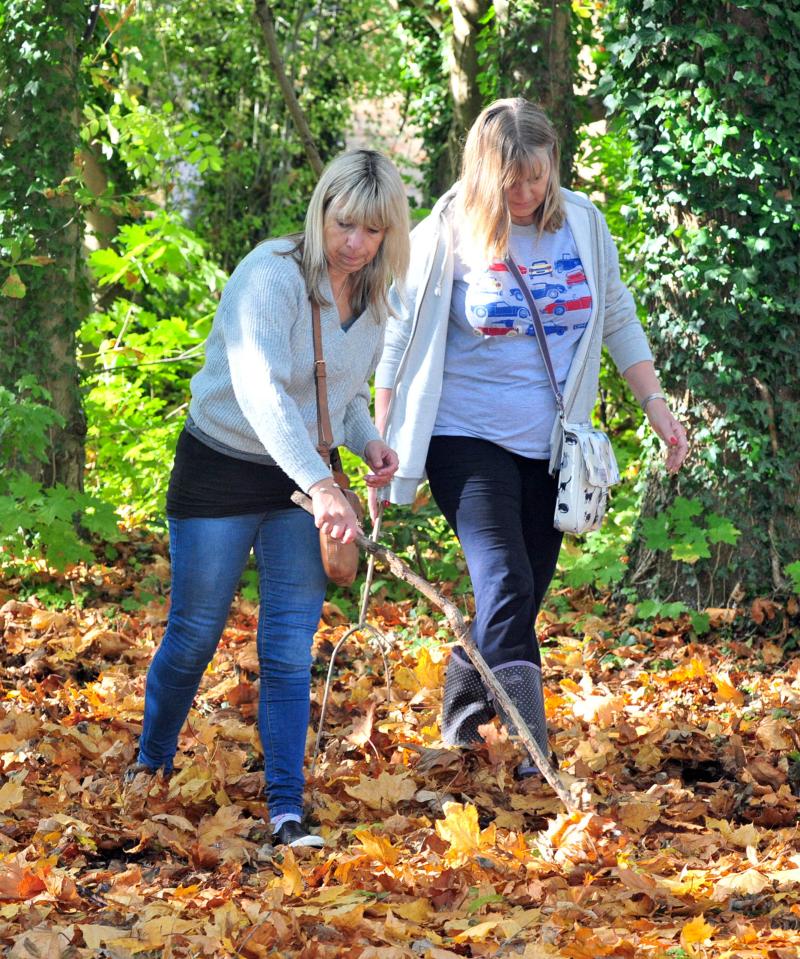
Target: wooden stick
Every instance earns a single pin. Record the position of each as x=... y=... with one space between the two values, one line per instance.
x=398 y=568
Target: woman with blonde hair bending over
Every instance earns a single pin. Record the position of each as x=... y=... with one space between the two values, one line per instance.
x=469 y=403
x=250 y=441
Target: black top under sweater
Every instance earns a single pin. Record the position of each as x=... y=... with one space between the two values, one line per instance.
x=207 y=483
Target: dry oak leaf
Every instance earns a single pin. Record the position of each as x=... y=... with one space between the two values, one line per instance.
x=766 y=773
x=696 y=930
x=461 y=830
x=384 y=792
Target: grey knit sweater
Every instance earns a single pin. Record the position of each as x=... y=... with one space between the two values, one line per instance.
x=255 y=392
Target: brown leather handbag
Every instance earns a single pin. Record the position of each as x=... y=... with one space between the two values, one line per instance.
x=339 y=560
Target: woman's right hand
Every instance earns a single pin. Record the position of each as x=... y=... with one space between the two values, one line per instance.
x=332 y=513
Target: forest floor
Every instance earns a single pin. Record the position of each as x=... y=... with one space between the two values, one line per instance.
x=691 y=750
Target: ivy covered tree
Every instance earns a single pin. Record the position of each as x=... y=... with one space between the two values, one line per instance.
x=712 y=97
x=43 y=289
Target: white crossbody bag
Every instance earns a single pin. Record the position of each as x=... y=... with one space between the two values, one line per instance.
x=588 y=466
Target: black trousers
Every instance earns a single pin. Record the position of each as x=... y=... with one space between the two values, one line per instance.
x=500 y=506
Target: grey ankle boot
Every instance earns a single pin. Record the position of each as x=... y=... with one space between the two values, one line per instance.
x=522 y=681
x=465 y=704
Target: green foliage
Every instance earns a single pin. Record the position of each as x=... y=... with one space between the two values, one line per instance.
x=138 y=356
x=651 y=609
x=44 y=293
x=680 y=531
x=422 y=79
x=712 y=101
x=793 y=571
x=208 y=62
x=51 y=523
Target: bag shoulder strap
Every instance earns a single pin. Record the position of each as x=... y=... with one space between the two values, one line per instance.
x=541 y=336
x=324 y=431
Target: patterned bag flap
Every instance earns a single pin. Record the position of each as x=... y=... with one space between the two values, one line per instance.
x=598 y=455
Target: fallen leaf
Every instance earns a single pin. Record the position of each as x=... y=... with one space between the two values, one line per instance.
x=51 y=942
x=726 y=691
x=746 y=883
x=378 y=847
x=383 y=792
x=18 y=881
x=696 y=930
x=11 y=795
x=762 y=609
x=291 y=881
x=460 y=829
x=774 y=734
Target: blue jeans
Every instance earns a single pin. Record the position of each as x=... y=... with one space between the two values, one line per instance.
x=208 y=557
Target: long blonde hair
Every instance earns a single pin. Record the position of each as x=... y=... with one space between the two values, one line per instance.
x=364 y=187
x=504 y=144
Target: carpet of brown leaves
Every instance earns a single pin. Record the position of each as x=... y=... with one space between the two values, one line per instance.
x=691 y=848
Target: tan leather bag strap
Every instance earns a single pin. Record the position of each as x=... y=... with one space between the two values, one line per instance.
x=324 y=431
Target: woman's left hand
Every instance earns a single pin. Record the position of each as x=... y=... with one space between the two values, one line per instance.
x=671 y=432
x=383 y=462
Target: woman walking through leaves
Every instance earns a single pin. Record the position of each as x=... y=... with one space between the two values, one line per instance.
x=250 y=441
x=469 y=404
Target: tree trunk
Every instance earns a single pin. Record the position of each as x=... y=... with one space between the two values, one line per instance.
x=267 y=21
x=538 y=61
x=462 y=62
x=39 y=118
x=716 y=147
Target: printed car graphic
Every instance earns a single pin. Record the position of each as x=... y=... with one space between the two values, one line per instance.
x=566 y=263
x=577 y=277
x=549 y=329
x=547 y=289
x=539 y=268
x=517 y=293
x=501 y=309
x=556 y=328
x=559 y=307
x=508 y=330
x=580 y=326
x=500 y=267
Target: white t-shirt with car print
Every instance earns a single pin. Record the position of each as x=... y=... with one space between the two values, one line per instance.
x=495 y=384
